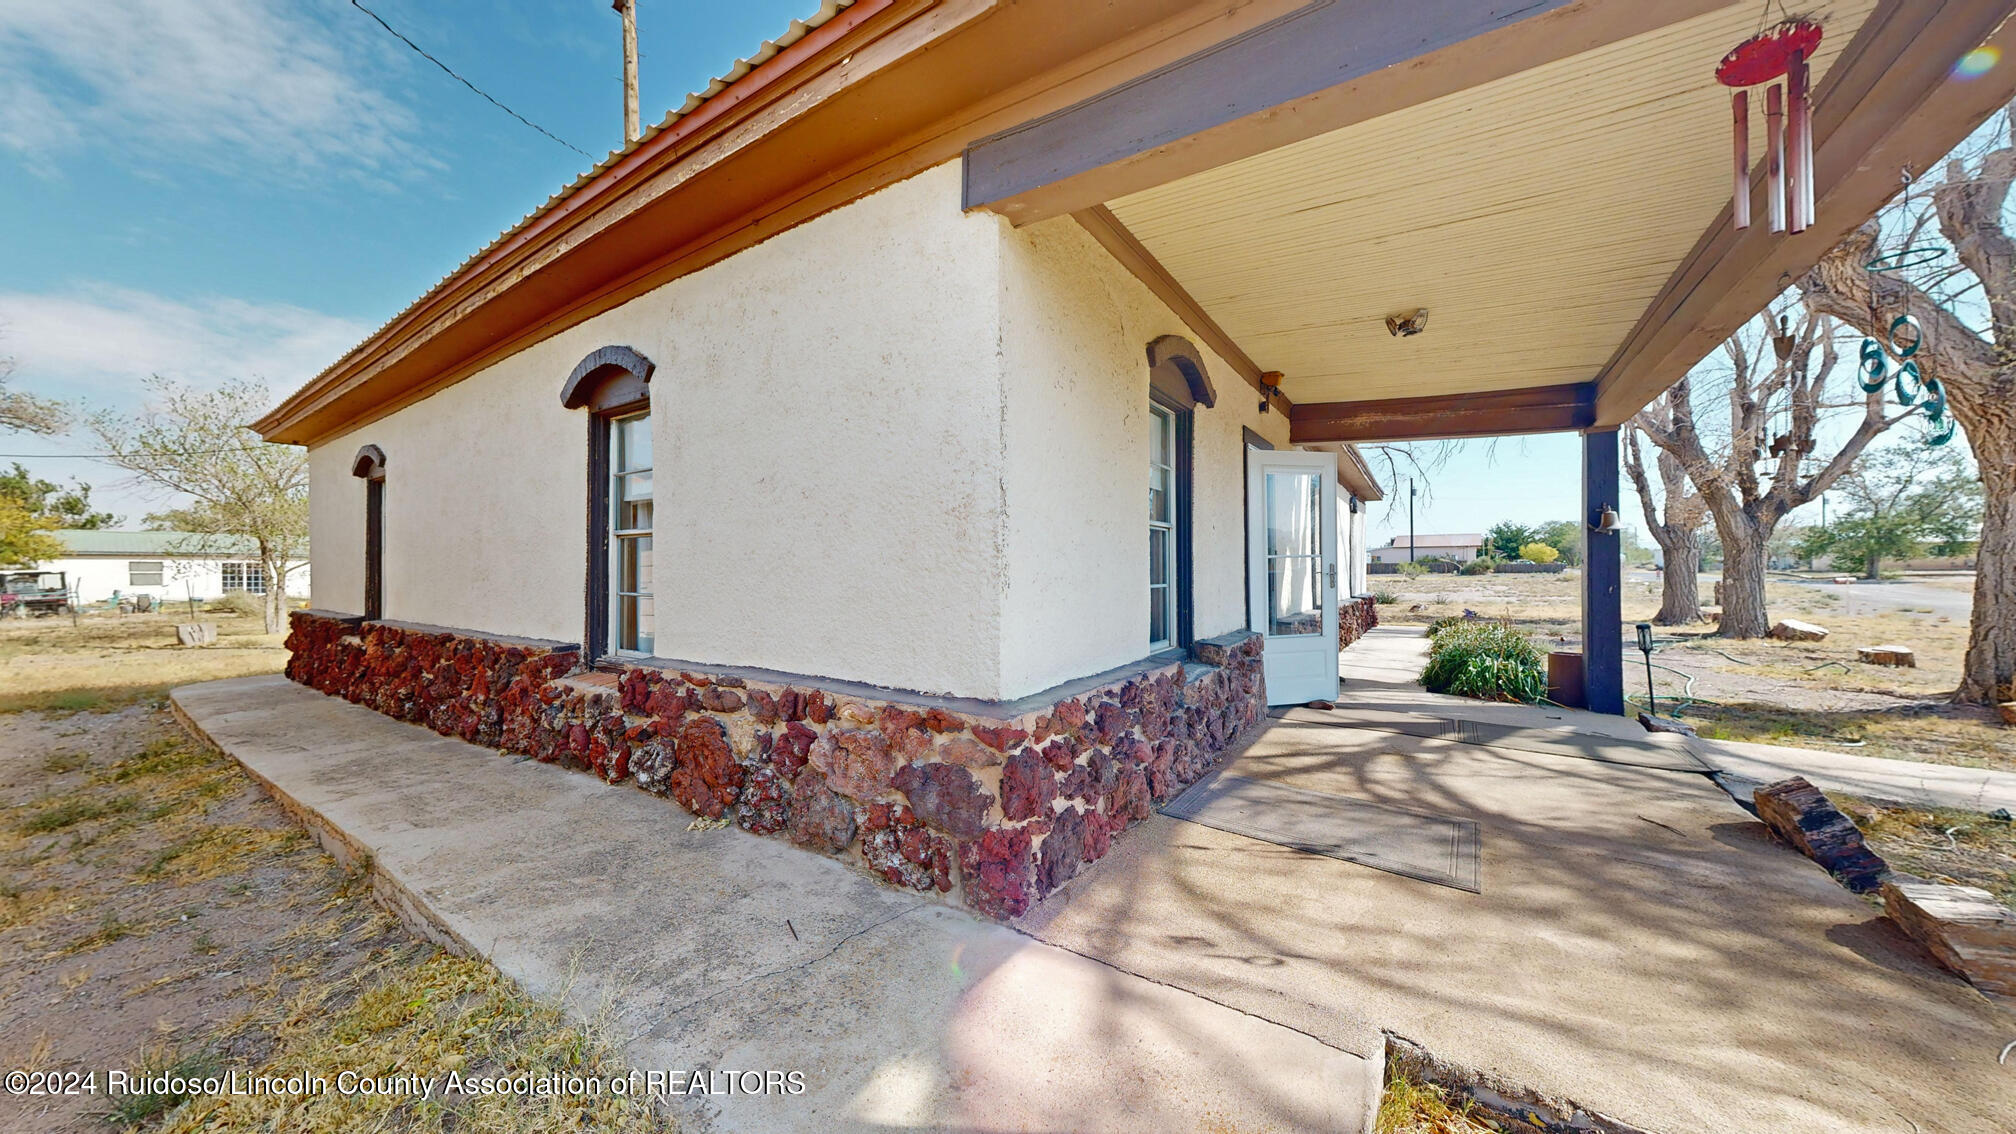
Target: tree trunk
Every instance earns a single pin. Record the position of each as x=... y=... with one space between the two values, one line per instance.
x=1873 y=570
x=1986 y=673
x=275 y=607
x=1743 y=613
x=1680 y=587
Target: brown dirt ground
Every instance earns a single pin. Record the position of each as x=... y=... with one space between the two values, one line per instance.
x=159 y=911
x=1806 y=694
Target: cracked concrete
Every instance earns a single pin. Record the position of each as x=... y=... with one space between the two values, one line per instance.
x=718 y=950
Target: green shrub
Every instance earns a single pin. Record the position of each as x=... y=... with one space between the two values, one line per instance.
x=1384 y=597
x=1491 y=661
x=1411 y=570
x=1478 y=567
x=1444 y=623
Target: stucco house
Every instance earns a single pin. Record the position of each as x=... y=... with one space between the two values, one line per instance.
x=102 y=564
x=1001 y=363
x=1461 y=547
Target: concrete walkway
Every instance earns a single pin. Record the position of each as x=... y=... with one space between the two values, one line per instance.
x=720 y=951
x=1379 y=678
x=1641 y=946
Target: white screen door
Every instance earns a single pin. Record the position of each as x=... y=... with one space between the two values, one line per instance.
x=1291 y=511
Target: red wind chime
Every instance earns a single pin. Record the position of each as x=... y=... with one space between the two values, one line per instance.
x=1782 y=52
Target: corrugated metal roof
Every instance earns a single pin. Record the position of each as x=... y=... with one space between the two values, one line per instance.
x=165 y=545
x=797 y=31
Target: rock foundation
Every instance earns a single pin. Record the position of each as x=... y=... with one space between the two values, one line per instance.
x=996 y=811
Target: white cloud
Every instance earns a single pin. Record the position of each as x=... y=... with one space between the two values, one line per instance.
x=236 y=84
x=99 y=342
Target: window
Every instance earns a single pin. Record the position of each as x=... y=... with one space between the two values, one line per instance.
x=143 y=573
x=245 y=577
x=612 y=384
x=1177 y=385
x=631 y=615
x=369 y=465
x=1162 y=527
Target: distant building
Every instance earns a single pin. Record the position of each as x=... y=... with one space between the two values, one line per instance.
x=100 y=565
x=1459 y=546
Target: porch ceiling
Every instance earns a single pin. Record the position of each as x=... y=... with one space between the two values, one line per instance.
x=1536 y=217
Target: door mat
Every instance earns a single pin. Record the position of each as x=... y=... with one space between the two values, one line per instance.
x=1431 y=848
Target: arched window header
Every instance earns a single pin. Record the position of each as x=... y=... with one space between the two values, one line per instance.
x=369 y=463
x=609 y=377
x=1176 y=371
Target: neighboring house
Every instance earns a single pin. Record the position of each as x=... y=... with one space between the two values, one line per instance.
x=101 y=565
x=998 y=366
x=1461 y=547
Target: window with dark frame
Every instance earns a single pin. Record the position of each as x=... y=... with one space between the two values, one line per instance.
x=621 y=615
x=370 y=465
x=1177 y=384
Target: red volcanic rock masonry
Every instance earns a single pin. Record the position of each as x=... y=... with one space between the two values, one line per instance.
x=1355 y=618
x=1003 y=807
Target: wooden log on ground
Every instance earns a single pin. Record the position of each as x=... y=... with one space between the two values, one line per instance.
x=1802 y=816
x=1900 y=656
x=1965 y=928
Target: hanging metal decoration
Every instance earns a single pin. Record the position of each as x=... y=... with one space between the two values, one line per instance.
x=1784 y=51
x=1909 y=385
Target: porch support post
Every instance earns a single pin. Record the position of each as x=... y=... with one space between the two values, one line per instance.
x=1602 y=577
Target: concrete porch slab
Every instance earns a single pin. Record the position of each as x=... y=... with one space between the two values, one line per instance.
x=718 y=950
x=1640 y=947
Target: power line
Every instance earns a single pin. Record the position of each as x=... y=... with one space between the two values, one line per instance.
x=472 y=86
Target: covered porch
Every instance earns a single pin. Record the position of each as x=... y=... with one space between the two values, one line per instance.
x=1406 y=221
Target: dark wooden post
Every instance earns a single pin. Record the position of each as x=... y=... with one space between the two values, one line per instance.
x=1602 y=577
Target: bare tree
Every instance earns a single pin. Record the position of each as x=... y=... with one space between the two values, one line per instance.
x=1911 y=277
x=245 y=491
x=1756 y=457
x=1678 y=532
x=26 y=413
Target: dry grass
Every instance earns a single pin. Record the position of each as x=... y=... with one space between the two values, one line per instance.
x=1412 y=1106
x=108 y=661
x=158 y=911
x=1807 y=694
x=1945 y=846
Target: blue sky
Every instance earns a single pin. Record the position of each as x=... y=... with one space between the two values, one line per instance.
x=210 y=189
x=219 y=188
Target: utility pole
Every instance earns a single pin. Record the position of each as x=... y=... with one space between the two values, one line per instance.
x=1410 y=519
x=631 y=127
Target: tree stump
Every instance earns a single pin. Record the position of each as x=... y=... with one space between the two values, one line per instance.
x=1793 y=630
x=195 y=633
x=1900 y=656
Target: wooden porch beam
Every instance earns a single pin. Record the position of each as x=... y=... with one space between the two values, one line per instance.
x=1890 y=103
x=1132 y=255
x=1326 y=65
x=1499 y=413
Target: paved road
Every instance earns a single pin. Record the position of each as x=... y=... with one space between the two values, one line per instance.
x=1864 y=597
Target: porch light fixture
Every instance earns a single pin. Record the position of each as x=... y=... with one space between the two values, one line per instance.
x=1270 y=388
x=1401 y=326
x=1607 y=522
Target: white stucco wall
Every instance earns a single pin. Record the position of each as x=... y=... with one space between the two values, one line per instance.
x=827 y=440
x=97 y=578
x=899 y=444
x=1075 y=326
